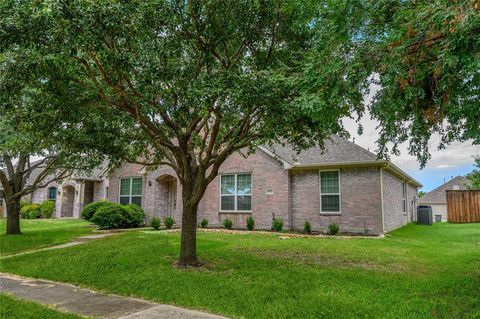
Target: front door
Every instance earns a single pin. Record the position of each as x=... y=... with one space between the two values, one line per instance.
x=68 y=199
x=172 y=197
x=88 y=195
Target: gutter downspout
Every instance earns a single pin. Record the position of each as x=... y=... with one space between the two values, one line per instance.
x=290 y=195
x=381 y=195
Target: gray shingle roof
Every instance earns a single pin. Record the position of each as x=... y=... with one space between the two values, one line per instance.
x=95 y=173
x=337 y=150
x=438 y=195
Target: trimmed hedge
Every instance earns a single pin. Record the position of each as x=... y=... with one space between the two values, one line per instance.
x=30 y=211
x=47 y=208
x=136 y=214
x=333 y=228
x=250 y=223
x=113 y=216
x=155 y=223
x=277 y=224
x=168 y=221
x=25 y=201
x=89 y=210
x=228 y=223
x=307 y=227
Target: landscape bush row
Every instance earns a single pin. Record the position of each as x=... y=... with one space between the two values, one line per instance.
x=167 y=221
x=277 y=225
x=33 y=211
x=108 y=215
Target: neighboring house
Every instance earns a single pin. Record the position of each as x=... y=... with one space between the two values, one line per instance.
x=72 y=194
x=346 y=185
x=437 y=198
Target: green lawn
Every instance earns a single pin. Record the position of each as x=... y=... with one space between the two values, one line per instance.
x=12 y=308
x=416 y=272
x=38 y=233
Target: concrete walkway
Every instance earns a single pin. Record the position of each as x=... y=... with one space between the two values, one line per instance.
x=86 y=302
x=74 y=242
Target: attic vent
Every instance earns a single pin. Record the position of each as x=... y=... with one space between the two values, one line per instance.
x=456 y=187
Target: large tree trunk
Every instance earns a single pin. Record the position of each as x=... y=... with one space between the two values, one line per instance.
x=188 y=249
x=13 y=216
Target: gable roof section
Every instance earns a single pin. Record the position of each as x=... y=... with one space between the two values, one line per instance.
x=438 y=195
x=338 y=152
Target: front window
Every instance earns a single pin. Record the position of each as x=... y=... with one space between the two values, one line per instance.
x=131 y=191
x=330 y=192
x=236 y=192
x=52 y=193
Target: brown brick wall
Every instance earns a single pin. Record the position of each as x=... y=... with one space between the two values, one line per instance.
x=267 y=174
x=394 y=216
x=155 y=192
x=295 y=196
x=360 y=201
x=126 y=170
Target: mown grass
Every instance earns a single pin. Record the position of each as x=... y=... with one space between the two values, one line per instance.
x=415 y=272
x=39 y=233
x=13 y=308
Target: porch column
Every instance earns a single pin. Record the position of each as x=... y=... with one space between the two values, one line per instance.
x=79 y=198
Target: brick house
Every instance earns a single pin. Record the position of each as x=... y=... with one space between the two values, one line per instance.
x=437 y=198
x=345 y=184
x=72 y=194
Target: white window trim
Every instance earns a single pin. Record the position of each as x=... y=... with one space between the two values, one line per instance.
x=339 y=192
x=404 y=197
x=48 y=193
x=235 y=210
x=130 y=192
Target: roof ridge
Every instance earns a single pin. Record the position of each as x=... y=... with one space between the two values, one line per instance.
x=440 y=186
x=359 y=147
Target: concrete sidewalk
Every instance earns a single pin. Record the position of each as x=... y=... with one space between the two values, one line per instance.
x=90 y=303
x=74 y=242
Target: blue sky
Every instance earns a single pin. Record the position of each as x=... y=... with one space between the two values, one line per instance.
x=432 y=177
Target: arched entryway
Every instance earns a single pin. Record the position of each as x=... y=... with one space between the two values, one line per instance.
x=68 y=200
x=166 y=195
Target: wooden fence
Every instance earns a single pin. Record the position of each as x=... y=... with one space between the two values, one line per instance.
x=463 y=206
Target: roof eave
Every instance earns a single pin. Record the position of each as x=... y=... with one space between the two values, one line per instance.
x=398 y=171
x=339 y=164
x=381 y=162
x=285 y=163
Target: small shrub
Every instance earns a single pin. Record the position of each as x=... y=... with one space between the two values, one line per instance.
x=155 y=223
x=333 y=228
x=204 y=223
x=168 y=221
x=31 y=211
x=46 y=209
x=250 y=223
x=277 y=224
x=117 y=216
x=89 y=210
x=136 y=214
x=307 y=227
x=227 y=223
x=25 y=202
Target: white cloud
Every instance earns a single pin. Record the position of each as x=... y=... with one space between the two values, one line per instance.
x=454 y=155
